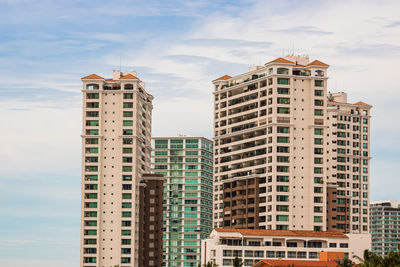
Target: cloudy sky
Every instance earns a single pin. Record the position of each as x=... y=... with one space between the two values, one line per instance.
x=177 y=48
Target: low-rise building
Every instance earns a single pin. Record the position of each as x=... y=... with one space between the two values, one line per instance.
x=253 y=245
x=297 y=263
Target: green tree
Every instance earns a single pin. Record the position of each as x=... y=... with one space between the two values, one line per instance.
x=345 y=262
x=209 y=264
x=237 y=262
x=371 y=259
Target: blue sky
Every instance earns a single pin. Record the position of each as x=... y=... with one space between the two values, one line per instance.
x=177 y=48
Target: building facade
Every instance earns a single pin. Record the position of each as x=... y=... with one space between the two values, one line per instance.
x=187 y=165
x=116 y=146
x=349 y=163
x=385 y=226
x=253 y=245
x=151 y=220
x=273 y=143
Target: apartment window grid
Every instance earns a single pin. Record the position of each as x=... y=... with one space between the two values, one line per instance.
x=187 y=196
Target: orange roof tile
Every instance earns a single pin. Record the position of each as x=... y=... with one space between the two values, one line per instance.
x=225 y=77
x=317 y=63
x=92 y=77
x=298 y=233
x=299 y=263
x=360 y=103
x=281 y=60
x=129 y=77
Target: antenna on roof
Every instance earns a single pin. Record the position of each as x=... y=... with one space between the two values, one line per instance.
x=120 y=62
x=293 y=47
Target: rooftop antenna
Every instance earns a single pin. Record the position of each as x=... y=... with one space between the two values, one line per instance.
x=293 y=47
x=120 y=62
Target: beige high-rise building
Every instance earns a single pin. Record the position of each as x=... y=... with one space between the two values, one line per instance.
x=276 y=148
x=348 y=164
x=116 y=146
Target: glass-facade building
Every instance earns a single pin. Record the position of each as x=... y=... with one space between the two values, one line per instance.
x=385 y=226
x=187 y=165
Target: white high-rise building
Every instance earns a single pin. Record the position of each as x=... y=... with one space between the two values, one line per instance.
x=116 y=145
x=279 y=150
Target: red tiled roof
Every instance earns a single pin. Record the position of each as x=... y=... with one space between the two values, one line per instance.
x=317 y=63
x=129 y=77
x=298 y=233
x=300 y=263
x=92 y=77
x=281 y=60
x=225 y=77
x=360 y=103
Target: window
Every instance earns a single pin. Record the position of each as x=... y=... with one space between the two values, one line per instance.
x=127 y=132
x=317 y=219
x=283 y=81
x=282 y=139
x=283 y=129
x=128 y=96
x=92 y=86
x=318 y=93
x=282 y=208
x=128 y=114
x=190 y=143
x=125 y=232
x=128 y=87
x=128 y=105
x=318 y=180
x=317 y=199
x=283 y=110
x=282 y=198
x=92 y=96
x=318 y=141
x=318 y=151
x=318 y=83
x=283 y=91
x=126 y=196
x=126 y=214
x=282 y=168
x=128 y=123
x=318 y=131
x=283 y=71
x=163 y=144
x=318 y=102
x=126 y=205
x=318 y=112
x=280 y=178
x=283 y=100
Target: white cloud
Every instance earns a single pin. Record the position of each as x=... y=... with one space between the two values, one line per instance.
x=37 y=263
x=39 y=139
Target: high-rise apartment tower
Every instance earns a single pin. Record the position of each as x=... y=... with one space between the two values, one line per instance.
x=187 y=165
x=276 y=150
x=385 y=226
x=116 y=145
